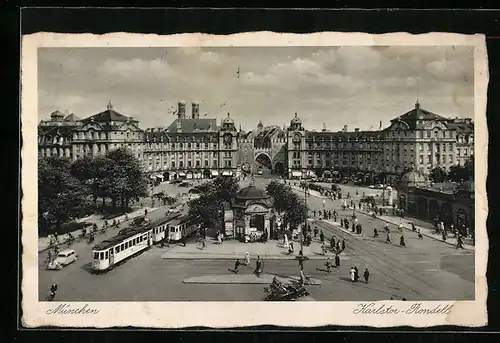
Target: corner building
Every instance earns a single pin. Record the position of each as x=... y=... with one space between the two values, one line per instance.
x=417 y=138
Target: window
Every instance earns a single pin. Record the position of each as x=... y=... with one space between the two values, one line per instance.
x=96 y=255
x=421 y=159
x=450 y=158
x=173 y=164
x=429 y=158
x=428 y=134
x=465 y=152
x=106 y=255
x=421 y=147
x=206 y=163
x=101 y=256
x=458 y=152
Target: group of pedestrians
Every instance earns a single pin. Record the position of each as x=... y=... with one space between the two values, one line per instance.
x=328 y=215
x=354 y=273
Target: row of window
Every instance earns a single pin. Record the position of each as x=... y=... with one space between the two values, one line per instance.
x=103 y=255
x=189 y=163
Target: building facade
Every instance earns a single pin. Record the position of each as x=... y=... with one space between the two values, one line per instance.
x=194 y=147
x=417 y=138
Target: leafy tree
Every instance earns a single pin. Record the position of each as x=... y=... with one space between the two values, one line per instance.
x=209 y=206
x=462 y=173
x=438 y=174
x=91 y=171
x=124 y=179
x=60 y=195
x=287 y=203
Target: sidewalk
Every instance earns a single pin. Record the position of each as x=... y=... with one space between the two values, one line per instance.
x=232 y=249
x=348 y=231
x=425 y=231
x=310 y=193
x=44 y=242
x=232 y=278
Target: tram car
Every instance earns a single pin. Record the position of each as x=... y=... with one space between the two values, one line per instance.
x=160 y=223
x=126 y=244
x=182 y=227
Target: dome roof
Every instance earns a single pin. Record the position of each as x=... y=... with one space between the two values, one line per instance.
x=251 y=193
x=260 y=124
x=413 y=177
x=466 y=187
x=228 y=120
x=295 y=120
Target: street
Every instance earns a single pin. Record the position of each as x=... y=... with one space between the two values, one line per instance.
x=423 y=270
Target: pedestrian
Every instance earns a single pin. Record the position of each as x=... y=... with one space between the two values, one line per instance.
x=236 y=266
x=356 y=274
x=375 y=233
x=290 y=249
x=314 y=213
x=353 y=274
x=366 y=275
x=332 y=242
x=258 y=266
x=459 y=242
x=388 y=237
x=247 y=259
x=419 y=235
x=337 y=260
x=328 y=265
x=346 y=224
x=322 y=236
x=444 y=236
x=323 y=248
x=337 y=248
x=315 y=231
x=413 y=228
x=343 y=244
x=402 y=241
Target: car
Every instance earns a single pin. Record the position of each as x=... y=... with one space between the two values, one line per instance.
x=62 y=259
x=371 y=186
x=184 y=184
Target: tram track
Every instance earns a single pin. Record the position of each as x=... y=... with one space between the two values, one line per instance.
x=403 y=275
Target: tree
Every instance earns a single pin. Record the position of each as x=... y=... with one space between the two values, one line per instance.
x=287 y=203
x=60 y=195
x=438 y=174
x=124 y=179
x=462 y=173
x=209 y=207
x=91 y=171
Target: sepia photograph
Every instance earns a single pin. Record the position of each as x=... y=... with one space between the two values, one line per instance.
x=320 y=173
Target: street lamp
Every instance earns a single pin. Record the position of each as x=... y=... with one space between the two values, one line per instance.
x=305 y=219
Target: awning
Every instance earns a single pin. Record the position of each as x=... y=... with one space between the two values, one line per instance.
x=227 y=173
x=297 y=173
x=214 y=172
x=181 y=174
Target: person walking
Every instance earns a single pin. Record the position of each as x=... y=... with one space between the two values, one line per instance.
x=356 y=274
x=323 y=248
x=290 y=249
x=343 y=244
x=460 y=244
x=402 y=241
x=315 y=232
x=337 y=260
x=322 y=236
x=237 y=266
x=388 y=237
x=328 y=265
x=353 y=274
x=419 y=234
x=337 y=247
x=247 y=259
x=366 y=275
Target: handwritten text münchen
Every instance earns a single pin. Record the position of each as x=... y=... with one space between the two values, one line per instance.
x=67 y=309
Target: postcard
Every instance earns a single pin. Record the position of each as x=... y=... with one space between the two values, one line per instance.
x=296 y=180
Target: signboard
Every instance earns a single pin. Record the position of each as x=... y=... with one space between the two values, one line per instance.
x=256 y=209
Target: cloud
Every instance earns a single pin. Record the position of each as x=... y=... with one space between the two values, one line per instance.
x=336 y=84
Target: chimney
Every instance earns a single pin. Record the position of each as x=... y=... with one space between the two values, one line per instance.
x=324 y=126
x=181 y=109
x=179 y=127
x=195 y=106
x=380 y=126
x=345 y=128
x=356 y=129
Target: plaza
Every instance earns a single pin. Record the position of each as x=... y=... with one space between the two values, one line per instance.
x=426 y=269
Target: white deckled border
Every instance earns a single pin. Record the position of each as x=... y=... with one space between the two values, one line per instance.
x=239 y=314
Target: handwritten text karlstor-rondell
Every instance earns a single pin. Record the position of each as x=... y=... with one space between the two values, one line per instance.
x=413 y=309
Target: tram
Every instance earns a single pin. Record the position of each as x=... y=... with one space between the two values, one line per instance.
x=182 y=227
x=127 y=244
x=141 y=235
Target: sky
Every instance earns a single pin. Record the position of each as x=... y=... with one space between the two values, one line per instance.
x=336 y=86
